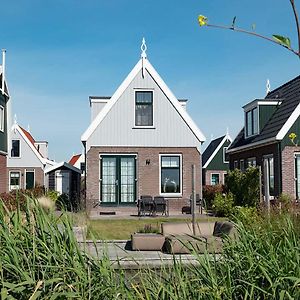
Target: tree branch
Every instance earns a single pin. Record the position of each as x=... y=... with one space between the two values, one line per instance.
x=297 y=22
x=257 y=35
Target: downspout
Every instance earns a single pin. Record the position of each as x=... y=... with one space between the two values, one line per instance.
x=279 y=168
x=85 y=174
x=3 y=71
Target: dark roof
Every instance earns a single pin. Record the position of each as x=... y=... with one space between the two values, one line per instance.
x=210 y=149
x=289 y=94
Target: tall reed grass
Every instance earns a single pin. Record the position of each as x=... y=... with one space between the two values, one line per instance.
x=40 y=259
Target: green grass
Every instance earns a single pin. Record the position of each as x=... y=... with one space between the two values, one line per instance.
x=121 y=229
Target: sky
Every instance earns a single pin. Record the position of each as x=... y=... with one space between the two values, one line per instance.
x=60 y=52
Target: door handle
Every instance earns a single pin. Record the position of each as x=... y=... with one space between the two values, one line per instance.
x=117 y=182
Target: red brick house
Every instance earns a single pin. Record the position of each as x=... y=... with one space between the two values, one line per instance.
x=264 y=141
x=141 y=141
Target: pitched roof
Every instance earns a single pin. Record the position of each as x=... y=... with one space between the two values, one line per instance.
x=143 y=64
x=74 y=159
x=289 y=94
x=28 y=135
x=213 y=148
x=62 y=165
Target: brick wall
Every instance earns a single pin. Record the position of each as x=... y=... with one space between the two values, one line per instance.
x=147 y=175
x=208 y=176
x=288 y=170
x=3 y=178
x=39 y=176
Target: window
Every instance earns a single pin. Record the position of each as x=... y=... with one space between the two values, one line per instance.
x=14 y=180
x=269 y=173
x=235 y=164
x=215 y=179
x=251 y=162
x=225 y=156
x=252 y=122
x=15 y=148
x=242 y=165
x=170 y=174
x=144 y=108
x=82 y=167
x=1 y=118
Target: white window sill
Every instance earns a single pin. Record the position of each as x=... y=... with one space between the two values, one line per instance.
x=170 y=195
x=143 y=127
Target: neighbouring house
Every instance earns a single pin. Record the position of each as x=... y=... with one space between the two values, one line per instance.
x=4 y=124
x=264 y=141
x=27 y=160
x=78 y=161
x=215 y=163
x=65 y=179
x=141 y=141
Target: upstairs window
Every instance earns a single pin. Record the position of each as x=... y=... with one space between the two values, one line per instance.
x=144 y=108
x=225 y=155
x=82 y=167
x=1 y=118
x=252 y=122
x=15 y=148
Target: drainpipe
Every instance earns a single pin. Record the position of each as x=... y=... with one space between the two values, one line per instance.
x=85 y=173
x=279 y=169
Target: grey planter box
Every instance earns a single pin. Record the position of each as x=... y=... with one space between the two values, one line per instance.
x=147 y=241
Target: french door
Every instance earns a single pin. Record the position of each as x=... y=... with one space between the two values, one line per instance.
x=117 y=179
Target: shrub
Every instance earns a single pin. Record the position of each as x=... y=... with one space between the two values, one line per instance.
x=209 y=193
x=149 y=228
x=244 y=186
x=246 y=215
x=53 y=195
x=222 y=205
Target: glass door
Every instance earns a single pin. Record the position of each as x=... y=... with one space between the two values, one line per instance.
x=118 y=179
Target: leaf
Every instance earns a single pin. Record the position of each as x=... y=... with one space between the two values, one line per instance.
x=282 y=40
x=233 y=22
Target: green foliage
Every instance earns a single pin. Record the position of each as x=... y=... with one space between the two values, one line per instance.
x=282 y=40
x=209 y=193
x=244 y=186
x=53 y=195
x=149 y=228
x=222 y=205
x=246 y=215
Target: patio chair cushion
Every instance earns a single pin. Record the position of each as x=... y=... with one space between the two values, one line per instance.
x=147 y=241
x=178 y=228
x=184 y=244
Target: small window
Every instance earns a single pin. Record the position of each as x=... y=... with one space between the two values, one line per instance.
x=242 y=165
x=14 y=180
x=225 y=155
x=82 y=167
x=252 y=122
x=170 y=175
x=144 y=108
x=215 y=179
x=251 y=162
x=15 y=148
x=235 y=164
x=1 y=118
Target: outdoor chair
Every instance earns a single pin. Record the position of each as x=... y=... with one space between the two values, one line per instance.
x=145 y=205
x=160 y=206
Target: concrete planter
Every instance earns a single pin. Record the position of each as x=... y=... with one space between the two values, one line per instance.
x=147 y=241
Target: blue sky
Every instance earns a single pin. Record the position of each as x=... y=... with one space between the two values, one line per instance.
x=60 y=52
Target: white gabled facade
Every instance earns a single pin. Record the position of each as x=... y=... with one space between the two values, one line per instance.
x=173 y=127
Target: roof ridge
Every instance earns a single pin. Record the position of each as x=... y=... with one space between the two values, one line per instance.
x=283 y=85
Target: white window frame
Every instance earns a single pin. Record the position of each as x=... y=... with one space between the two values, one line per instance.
x=211 y=176
x=29 y=170
x=19 y=149
x=2 y=117
x=224 y=155
x=134 y=104
x=170 y=195
x=14 y=171
x=251 y=159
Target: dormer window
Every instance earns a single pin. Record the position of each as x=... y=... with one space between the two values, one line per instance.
x=252 y=122
x=144 y=108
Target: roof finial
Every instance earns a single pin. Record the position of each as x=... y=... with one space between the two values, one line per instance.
x=15 y=119
x=227 y=131
x=268 y=87
x=28 y=128
x=144 y=49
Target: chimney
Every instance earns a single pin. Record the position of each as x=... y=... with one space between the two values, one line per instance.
x=42 y=147
x=183 y=102
x=97 y=103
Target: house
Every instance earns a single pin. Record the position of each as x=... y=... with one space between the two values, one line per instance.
x=4 y=124
x=27 y=159
x=264 y=140
x=78 y=161
x=141 y=141
x=65 y=179
x=215 y=164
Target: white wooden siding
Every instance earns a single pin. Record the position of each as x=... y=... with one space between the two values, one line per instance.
x=27 y=156
x=117 y=128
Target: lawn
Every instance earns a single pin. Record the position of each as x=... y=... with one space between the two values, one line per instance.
x=121 y=229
